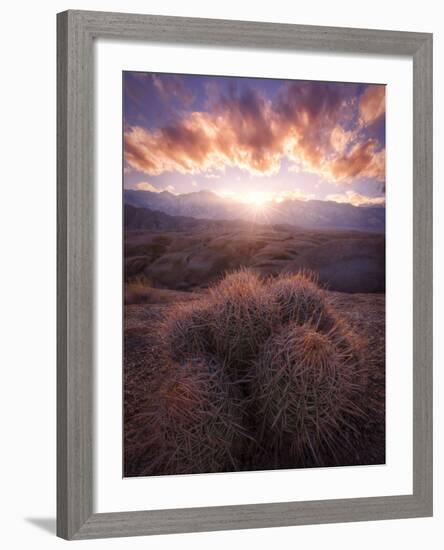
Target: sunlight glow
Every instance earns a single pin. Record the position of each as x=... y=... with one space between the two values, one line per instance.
x=256 y=198
x=259 y=200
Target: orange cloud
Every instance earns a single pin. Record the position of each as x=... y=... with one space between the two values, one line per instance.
x=340 y=138
x=356 y=199
x=238 y=134
x=252 y=133
x=363 y=160
x=294 y=194
x=372 y=104
x=146 y=186
x=266 y=196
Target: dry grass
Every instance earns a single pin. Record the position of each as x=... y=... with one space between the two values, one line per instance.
x=137 y=290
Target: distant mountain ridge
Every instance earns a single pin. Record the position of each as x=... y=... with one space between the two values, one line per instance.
x=141 y=219
x=313 y=214
x=145 y=219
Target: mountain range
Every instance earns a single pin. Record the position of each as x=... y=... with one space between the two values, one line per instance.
x=145 y=219
x=206 y=205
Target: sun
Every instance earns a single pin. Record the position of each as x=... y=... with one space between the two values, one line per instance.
x=257 y=199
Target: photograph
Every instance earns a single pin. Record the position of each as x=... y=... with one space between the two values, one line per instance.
x=221 y=199
x=253 y=274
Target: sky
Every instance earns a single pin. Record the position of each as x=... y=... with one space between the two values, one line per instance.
x=254 y=140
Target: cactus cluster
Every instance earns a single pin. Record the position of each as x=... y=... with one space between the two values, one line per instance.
x=257 y=368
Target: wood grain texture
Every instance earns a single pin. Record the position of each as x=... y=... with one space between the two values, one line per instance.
x=75 y=276
x=62 y=294
x=77 y=31
x=222 y=518
x=226 y=33
x=423 y=273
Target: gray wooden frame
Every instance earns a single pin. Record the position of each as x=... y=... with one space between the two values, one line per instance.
x=76 y=32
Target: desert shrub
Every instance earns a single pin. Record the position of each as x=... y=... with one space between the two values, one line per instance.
x=137 y=290
x=192 y=424
x=307 y=385
x=243 y=313
x=299 y=299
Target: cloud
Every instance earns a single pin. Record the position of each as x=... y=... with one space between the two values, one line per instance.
x=144 y=186
x=313 y=124
x=266 y=196
x=294 y=168
x=172 y=86
x=307 y=114
x=372 y=104
x=356 y=199
x=294 y=194
x=363 y=160
x=147 y=186
x=238 y=134
x=340 y=138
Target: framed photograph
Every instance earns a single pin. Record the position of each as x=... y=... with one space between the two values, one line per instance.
x=244 y=275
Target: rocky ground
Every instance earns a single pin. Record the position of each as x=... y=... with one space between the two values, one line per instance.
x=192 y=259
